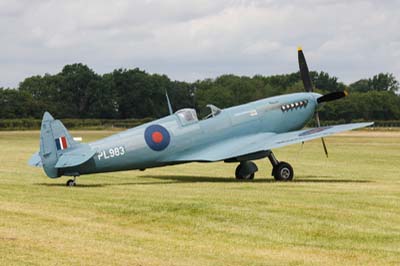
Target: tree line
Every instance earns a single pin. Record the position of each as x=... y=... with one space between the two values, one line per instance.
x=78 y=92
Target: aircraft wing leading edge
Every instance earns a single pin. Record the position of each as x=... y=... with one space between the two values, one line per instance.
x=284 y=139
x=249 y=144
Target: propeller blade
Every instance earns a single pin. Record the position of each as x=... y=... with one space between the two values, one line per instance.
x=304 y=73
x=332 y=96
x=322 y=139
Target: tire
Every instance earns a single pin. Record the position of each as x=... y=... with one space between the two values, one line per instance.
x=249 y=177
x=283 y=172
x=245 y=176
x=237 y=171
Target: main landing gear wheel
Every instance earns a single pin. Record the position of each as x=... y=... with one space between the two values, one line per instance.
x=246 y=170
x=283 y=172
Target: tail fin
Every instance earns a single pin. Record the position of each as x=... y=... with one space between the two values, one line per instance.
x=54 y=141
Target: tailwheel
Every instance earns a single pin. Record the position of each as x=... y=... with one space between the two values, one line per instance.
x=245 y=170
x=283 y=172
x=71 y=183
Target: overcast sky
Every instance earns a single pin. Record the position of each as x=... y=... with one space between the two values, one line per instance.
x=196 y=39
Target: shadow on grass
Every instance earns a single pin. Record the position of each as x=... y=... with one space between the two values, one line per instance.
x=208 y=179
x=172 y=179
x=322 y=179
x=79 y=185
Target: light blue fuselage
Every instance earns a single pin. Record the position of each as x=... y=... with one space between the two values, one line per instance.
x=264 y=115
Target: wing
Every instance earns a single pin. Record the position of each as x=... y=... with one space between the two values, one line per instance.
x=221 y=150
x=254 y=143
x=288 y=138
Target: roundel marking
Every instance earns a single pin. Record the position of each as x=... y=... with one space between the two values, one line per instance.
x=157 y=137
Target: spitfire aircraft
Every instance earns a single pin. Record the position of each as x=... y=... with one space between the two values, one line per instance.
x=238 y=134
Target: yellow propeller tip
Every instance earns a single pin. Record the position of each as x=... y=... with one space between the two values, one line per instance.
x=346 y=93
x=299 y=48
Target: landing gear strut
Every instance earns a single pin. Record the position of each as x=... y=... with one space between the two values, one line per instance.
x=281 y=171
x=245 y=170
x=71 y=182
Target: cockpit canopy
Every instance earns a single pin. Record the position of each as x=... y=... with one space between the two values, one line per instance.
x=187 y=116
x=214 y=111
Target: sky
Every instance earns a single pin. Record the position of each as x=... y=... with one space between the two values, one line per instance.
x=197 y=39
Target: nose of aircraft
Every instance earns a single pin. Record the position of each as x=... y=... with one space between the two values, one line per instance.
x=315 y=96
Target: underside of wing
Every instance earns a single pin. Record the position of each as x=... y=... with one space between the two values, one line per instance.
x=251 y=144
x=222 y=150
x=299 y=136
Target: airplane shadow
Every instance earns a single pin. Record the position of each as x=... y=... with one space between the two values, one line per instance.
x=80 y=185
x=208 y=179
x=174 y=179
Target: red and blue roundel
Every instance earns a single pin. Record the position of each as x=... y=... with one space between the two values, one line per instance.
x=157 y=137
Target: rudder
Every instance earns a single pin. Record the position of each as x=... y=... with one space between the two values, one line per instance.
x=54 y=140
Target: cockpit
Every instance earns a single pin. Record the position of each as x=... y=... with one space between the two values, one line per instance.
x=187 y=116
x=214 y=111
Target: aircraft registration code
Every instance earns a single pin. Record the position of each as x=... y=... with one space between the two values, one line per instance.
x=111 y=153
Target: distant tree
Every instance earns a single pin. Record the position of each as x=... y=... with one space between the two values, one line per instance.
x=217 y=95
x=384 y=82
x=44 y=91
x=323 y=81
x=142 y=95
x=16 y=104
x=280 y=83
x=361 y=85
x=181 y=94
x=291 y=82
x=77 y=90
x=372 y=105
x=379 y=82
x=103 y=103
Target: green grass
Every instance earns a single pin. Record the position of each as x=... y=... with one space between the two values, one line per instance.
x=344 y=210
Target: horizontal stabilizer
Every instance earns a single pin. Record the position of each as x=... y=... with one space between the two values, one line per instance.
x=75 y=157
x=35 y=160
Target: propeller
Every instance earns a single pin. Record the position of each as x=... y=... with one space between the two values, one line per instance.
x=332 y=96
x=304 y=73
x=305 y=77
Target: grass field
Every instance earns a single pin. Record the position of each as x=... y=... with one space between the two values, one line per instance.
x=344 y=210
